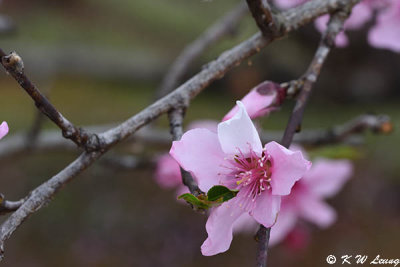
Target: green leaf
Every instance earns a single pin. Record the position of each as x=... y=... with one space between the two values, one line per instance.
x=220 y=193
x=196 y=202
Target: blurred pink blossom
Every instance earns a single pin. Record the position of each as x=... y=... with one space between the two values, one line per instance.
x=260 y=101
x=323 y=180
x=360 y=14
x=298 y=239
x=234 y=157
x=386 y=32
x=3 y=129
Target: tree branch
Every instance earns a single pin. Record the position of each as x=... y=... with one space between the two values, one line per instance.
x=266 y=21
x=15 y=67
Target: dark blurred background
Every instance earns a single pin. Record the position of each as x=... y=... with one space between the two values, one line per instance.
x=101 y=62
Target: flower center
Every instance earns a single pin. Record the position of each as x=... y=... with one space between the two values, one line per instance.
x=252 y=172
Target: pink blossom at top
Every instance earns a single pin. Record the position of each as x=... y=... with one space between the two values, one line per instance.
x=3 y=129
x=234 y=157
x=386 y=32
x=325 y=178
x=360 y=14
x=260 y=101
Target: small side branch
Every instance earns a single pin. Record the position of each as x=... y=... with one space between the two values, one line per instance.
x=335 y=25
x=378 y=124
x=15 y=67
x=309 y=78
x=7 y=206
x=175 y=121
x=266 y=21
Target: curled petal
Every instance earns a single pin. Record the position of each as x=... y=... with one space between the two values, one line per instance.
x=287 y=168
x=240 y=133
x=219 y=227
x=327 y=177
x=260 y=101
x=199 y=153
x=3 y=129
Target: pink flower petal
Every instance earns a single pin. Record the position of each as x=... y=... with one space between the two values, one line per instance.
x=199 y=152
x=386 y=32
x=266 y=208
x=315 y=210
x=240 y=133
x=219 y=228
x=168 y=173
x=260 y=101
x=287 y=168
x=361 y=13
x=287 y=219
x=327 y=177
x=3 y=129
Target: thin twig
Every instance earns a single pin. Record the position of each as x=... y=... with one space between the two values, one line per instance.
x=335 y=25
x=290 y=20
x=266 y=21
x=342 y=133
x=7 y=206
x=224 y=26
x=15 y=67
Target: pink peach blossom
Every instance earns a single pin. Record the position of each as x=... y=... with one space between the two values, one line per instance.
x=3 y=129
x=234 y=157
x=323 y=180
x=386 y=32
x=260 y=101
x=360 y=14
